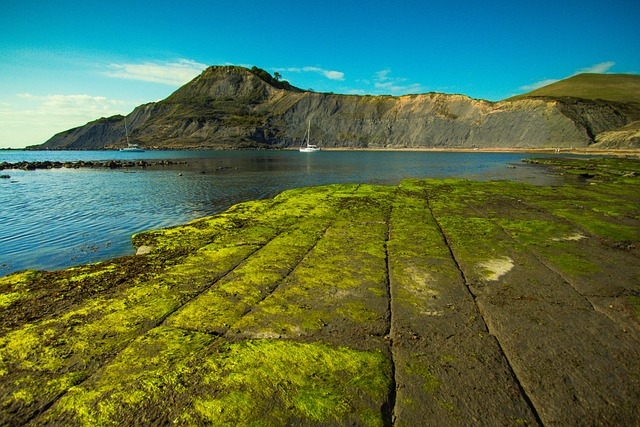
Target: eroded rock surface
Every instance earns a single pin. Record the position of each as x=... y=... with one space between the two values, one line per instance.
x=435 y=302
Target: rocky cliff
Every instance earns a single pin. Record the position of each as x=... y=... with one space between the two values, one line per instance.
x=234 y=107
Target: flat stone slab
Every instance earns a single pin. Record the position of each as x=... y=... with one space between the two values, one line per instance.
x=434 y=302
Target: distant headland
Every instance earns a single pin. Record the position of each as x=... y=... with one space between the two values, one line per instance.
x=230 y=107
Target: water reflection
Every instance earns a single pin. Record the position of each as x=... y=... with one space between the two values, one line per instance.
x=61 y=217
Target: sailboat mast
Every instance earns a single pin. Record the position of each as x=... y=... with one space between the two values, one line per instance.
x=126 y=131
x=309 y=133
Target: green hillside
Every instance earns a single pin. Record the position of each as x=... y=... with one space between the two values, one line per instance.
x=608 y=87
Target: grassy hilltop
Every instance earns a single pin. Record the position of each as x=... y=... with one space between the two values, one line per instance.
x=623 y=88
x=443 y=302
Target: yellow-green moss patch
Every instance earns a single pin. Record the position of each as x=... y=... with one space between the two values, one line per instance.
x=284 y=381
x=151 y=370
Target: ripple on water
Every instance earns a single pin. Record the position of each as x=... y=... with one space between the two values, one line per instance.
x=61 y=217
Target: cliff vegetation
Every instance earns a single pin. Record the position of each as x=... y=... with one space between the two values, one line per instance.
x=233 y=107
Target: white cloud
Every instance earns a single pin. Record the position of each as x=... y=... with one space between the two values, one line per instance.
x=333 y=75
x=170 y=73
x=394 y=85
x=600 y=68
x=32 y=119
x=356 y=92
x=382 y=75
x=72 y=105
x=538 y=85
x=330 y=74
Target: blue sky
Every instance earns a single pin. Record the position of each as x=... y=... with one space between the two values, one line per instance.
x=63 y=63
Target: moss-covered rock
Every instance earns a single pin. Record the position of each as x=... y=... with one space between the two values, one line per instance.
x=451 y=301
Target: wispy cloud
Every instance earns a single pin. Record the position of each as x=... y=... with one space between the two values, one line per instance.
x=73 y=105
x=174 y=73
x=394 y=85
x=330 y=74
x=32 y=119
x=538 y=85
x=356 y=92
x=600 y=68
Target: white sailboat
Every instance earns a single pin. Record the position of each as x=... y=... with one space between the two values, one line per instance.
x=308 y=147
x=130 y=147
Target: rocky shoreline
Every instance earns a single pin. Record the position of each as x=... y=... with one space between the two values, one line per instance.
x=452 y=301
x=110 y=164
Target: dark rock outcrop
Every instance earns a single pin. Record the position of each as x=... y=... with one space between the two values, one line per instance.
x=111 y=164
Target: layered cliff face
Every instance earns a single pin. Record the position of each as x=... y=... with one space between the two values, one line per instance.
x=233 y=107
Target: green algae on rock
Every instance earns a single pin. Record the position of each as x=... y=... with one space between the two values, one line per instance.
x=452 y=301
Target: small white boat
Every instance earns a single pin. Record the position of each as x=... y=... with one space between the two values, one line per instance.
x=308 y=147
x=130 y=147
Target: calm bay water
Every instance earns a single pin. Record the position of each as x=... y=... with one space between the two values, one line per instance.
x=51 y=219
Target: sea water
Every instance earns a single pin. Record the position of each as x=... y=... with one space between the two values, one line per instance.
x=57 y=218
